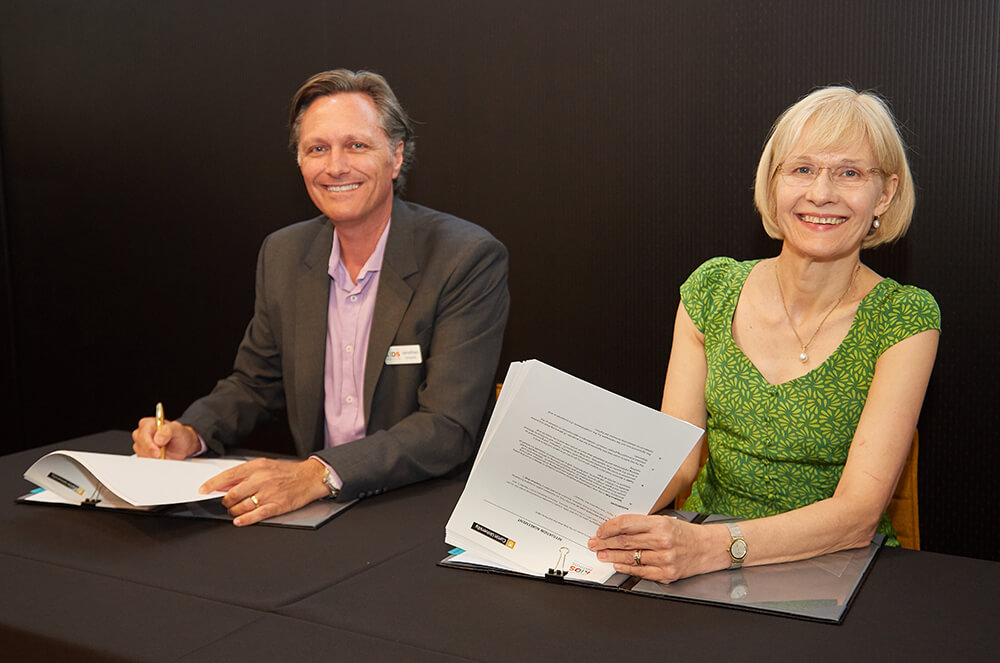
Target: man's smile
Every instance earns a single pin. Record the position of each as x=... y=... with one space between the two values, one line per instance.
x=342 y=187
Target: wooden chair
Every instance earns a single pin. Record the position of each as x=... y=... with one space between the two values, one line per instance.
x=903 y=508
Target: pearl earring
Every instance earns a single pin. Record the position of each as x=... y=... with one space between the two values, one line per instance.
x=876 y=223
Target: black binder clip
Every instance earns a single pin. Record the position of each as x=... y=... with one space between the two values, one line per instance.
x=558 y=573
x=94 y=499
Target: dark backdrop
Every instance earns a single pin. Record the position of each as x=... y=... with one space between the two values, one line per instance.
x=611 y=146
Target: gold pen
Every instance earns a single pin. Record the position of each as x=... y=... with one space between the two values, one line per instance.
x=159 y=422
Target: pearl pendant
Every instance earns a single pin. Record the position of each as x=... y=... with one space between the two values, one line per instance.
x=803 y=357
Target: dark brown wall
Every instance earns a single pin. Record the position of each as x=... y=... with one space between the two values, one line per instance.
x=610 y=145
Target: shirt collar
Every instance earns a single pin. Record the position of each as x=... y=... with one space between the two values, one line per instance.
x=339 y=273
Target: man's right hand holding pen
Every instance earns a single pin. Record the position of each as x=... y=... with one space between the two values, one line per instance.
x=155 y=437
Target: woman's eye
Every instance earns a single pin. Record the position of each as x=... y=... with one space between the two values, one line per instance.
x=803 y=170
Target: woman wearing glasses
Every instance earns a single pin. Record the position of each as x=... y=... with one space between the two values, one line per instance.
x=807 y=370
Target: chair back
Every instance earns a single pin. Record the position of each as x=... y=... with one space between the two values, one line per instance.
x=904 y=508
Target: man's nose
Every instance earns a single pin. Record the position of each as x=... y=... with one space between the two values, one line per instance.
x=336 y=162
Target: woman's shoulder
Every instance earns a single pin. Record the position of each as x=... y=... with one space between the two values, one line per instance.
x=892 y=312
x=712 y=287
x=721 y=270
x=906 y=304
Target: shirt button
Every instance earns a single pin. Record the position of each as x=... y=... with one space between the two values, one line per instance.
x=354 y=298
x=349 y=348
x=350 y=399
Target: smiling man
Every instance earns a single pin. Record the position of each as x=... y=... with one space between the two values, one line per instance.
x=377 y=325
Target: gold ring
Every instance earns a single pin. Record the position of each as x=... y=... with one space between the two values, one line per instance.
x=256 y=502
x=637 y=557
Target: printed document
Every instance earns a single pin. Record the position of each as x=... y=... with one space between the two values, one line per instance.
x=561 y=456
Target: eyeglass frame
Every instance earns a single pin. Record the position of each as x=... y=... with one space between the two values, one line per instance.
x=829 y=173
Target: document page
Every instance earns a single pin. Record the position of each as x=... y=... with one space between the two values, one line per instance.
x=560 y=457
x=84 y=476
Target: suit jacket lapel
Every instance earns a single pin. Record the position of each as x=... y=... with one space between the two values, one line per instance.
x=312 y=302
x=394 y=294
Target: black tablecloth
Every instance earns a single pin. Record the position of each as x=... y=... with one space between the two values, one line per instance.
x=98 y=585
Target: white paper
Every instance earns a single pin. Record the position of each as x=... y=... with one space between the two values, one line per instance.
x=561 y=456
x=116 y=480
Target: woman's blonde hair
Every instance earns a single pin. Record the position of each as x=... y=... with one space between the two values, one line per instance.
x=837 y=117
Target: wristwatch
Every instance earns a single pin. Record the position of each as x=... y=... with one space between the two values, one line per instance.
x=737 y=546
x=330 y=485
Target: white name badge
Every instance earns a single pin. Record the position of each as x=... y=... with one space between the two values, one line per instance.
x=403 y=354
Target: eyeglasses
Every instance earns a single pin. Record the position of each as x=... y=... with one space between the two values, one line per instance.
x=803 y=174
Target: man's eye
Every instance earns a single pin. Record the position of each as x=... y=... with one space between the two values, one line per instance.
x=357 y=146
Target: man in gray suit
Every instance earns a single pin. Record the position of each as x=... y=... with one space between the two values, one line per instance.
x=377 y=325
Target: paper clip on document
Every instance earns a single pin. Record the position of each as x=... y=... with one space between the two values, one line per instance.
x=558 y=572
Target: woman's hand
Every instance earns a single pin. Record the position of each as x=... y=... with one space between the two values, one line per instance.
x=668 y=549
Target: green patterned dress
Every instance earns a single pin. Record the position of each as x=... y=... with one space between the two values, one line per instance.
x=775 y=448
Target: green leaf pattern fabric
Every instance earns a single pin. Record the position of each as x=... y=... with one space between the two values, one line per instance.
x=774 y=448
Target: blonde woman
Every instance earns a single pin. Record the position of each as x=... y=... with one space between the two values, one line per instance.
x=807 y=370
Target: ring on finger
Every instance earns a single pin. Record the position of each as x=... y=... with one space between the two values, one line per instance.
x=256 y=502
x=637 y=558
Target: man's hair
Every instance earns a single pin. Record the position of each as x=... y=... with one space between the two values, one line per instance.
x=837 y=117
x=392 y=118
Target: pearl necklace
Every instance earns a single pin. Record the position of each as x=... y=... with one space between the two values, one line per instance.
x=804 y=355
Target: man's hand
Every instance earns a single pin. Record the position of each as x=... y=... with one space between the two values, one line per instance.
x=173 y=437
x=263 y=488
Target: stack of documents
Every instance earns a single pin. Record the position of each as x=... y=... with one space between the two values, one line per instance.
x=166 y=487
x=123 y=482
x=560 y=457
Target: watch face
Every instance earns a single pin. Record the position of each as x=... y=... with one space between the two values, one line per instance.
x=328 y=482
x=738 y=549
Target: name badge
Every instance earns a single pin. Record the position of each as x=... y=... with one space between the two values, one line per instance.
x=403 y=354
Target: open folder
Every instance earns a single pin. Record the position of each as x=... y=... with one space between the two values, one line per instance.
x=820 y=589
x=168 y=487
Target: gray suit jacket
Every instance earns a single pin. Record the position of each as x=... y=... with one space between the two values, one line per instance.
x=443 y=285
